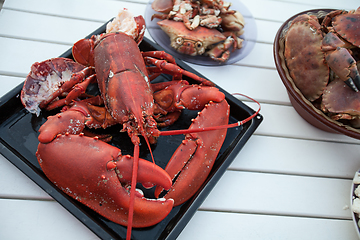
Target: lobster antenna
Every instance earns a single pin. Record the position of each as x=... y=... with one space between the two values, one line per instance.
x=148 y=144
x=132 y=191
x=237 y=124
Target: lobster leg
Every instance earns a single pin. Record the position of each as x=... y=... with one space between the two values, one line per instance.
x=193 y=160
x=176 y=71
x=75 y=78
x=95 y=178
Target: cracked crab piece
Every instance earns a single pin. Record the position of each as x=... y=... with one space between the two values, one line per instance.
x=233 y=22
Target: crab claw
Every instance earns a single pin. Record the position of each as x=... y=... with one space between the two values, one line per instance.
x=340 y=60
x=163 y=6
x=94 y=173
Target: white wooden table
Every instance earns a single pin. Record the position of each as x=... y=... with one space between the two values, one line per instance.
x=290 y=181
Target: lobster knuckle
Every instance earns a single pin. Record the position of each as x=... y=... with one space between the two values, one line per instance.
x=165 y=99
x=68 y=121
x=195 y=97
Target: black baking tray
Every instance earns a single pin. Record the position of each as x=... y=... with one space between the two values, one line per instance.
x=18 y=143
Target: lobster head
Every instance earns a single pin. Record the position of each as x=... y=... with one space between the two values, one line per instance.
x=83 y=50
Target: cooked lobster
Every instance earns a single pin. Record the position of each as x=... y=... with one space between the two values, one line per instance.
x=96 y=173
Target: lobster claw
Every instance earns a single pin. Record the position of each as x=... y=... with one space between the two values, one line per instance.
x=94 y=173
x=193 y=160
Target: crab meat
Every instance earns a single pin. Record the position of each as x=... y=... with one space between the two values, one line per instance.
x=126 y=22
x=233 y=22
x=44 y=79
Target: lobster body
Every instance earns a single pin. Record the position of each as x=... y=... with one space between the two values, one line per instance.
x=123 y=82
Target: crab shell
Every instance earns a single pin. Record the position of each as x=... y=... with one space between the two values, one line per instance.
x=348 y=26
x=189 y=42
x=304 y=57
x=341 y=101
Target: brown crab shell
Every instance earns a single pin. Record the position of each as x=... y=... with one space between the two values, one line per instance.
x=205 y=36
x=304 y=57
x=340 y=98
x=348 y=26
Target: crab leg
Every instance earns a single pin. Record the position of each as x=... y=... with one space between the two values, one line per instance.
x=340 y=60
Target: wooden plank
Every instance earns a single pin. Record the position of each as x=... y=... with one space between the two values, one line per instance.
x=280 y=10
x=284 y=121
x=287 y=156
x=262 y=84
x=100 y=11
x=25 y=219
x=252 y=192
x=21 y=54
x=92 y=10
x=16 y=185
x=347 y=4
x=37 y=219
x=52 y=29
x=60 y=33
x=214 y=225
x=55 y=28
x=279 y=194
x=7 y=83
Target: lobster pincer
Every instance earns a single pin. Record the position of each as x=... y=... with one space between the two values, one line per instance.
x=193 y=160
x=96 y=176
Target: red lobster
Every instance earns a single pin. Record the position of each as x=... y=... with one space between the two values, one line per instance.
x=96 y=171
